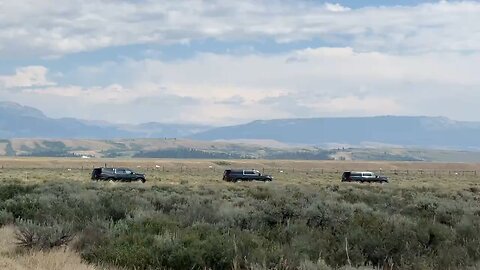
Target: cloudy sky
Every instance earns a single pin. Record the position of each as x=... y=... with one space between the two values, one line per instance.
x=227 y=62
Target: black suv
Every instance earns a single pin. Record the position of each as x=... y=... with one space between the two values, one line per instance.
x=117 y=174
x=245 y=175
x=363 y=177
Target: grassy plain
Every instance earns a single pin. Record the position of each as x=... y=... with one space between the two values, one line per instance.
x=186 y=217
x=183 y=148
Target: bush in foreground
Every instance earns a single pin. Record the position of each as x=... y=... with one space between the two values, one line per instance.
x=247 y=227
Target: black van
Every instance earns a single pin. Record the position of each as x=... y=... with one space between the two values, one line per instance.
x=363 y=177
x=117 y=174
x=245 y=175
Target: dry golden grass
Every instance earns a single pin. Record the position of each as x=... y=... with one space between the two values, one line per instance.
x=442 y=176
x=97 y=146
x=304 y=165
x=58 y=259
x=207 y=175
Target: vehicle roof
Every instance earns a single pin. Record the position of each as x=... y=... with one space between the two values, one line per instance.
x=111 y=168
x=241 y=170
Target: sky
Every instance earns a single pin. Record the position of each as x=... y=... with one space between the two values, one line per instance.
x=228 y=62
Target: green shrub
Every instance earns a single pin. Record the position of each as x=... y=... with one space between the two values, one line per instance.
x=23 y=206
x=42 y=236
x=199 y=246
x=6 y=218
x=11 y=190
x=225 y=226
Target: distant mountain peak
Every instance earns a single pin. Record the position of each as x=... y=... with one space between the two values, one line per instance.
x=7 y=107
x=417 y=131
x=17 y=121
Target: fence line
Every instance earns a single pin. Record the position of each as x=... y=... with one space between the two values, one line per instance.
x=181 y=168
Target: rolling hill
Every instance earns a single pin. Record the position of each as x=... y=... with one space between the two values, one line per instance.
x=405 y=131
x=17 y=121
x=190 y=149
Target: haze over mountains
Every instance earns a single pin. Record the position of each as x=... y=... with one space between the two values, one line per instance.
x=408 y=131
x=18 y=121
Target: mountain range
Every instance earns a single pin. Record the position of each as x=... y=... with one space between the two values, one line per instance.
x=394 y=131
x=17 y=121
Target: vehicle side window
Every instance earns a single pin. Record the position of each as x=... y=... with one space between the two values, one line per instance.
x=128 y=172
x=120 y=171
x=249 y=172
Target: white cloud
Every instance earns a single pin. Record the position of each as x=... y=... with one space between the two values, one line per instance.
x=420 y=59
x=336 y=7
x=26 y=77
x=353 y=105
x=46 y=27
x=312 y=82
x=110 y=94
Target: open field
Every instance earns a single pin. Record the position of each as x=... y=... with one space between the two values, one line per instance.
x=52 y=162
x=252 y=149
x=186 y=217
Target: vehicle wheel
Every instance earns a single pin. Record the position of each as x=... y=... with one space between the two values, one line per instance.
x=110 y=179
x=238 y=179
x=141 y=179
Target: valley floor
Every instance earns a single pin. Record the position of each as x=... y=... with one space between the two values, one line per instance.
x=186 y=217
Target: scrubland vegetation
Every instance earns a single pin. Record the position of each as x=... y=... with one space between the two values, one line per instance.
x=190 y=149
x=193 y=220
